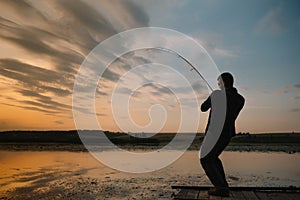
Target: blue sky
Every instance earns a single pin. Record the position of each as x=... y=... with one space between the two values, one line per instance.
x=263 y=35
x=262 y=42
x=44 y=42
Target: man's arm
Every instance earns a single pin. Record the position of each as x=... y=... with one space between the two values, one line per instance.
x=206 y=105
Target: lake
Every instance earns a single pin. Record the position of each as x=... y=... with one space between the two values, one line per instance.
x=33 y=170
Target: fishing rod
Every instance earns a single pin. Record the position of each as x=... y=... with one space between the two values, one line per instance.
x=186 y=60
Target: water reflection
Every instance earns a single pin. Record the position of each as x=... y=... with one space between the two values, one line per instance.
x=31 y=170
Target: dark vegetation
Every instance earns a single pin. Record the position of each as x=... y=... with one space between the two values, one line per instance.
x=69 y=140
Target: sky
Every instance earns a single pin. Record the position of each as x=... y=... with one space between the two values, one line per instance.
x=43 y=44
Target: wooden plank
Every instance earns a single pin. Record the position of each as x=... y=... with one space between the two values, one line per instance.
x=190 y=187
x=250 y=195
x=237 y=195
x=279 y=195
x=262 y=195
x=192 y=194
x=181 y=194
x=228 y=198
x=214 y=197
x=240 y=193
x=202 y=195
x=287 y=189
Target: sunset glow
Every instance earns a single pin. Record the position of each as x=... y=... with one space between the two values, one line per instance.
x=43 y=44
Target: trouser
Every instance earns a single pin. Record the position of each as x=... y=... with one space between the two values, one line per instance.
x=212 y=165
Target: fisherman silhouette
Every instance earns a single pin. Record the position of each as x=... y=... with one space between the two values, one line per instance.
x=211 y=163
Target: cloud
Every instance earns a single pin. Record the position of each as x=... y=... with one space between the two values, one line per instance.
x=296 y=98
x=296 y=95
x=296 y=86
x=291 y=91
x=213 y=46
x=129 y=14
x=108 y=74
x=37 y=102
x=157 y=84
x=35 y=77
x=79 y=24
x=86 y=17
x=159 y=90
x=156 y=93
x=58 y=122
x=288 y=89
x=295 y=110
x=59 y=33
x=137 y=13
x=32 y=108
x=273 y=22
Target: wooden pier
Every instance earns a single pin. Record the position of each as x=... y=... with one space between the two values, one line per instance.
x=239 y=193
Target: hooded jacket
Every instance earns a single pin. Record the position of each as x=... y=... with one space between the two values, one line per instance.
x=234 y=104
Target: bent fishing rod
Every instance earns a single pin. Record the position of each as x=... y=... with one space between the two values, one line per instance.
x=186 y=60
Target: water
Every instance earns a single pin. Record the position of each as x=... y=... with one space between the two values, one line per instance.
x=25 y=168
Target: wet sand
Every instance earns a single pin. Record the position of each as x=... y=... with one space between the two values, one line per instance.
x=77 y=175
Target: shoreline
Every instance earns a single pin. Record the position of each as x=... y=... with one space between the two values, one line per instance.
x=245 y=147
x=71 y=141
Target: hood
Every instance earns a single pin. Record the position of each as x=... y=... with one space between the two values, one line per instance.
x=231 y=90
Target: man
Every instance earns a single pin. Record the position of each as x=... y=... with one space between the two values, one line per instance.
x=211 y=163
